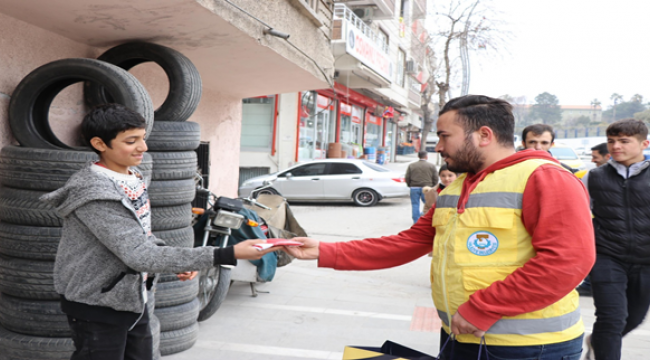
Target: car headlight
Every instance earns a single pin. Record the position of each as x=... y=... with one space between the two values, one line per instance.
x=582 y=167
x=228 y=219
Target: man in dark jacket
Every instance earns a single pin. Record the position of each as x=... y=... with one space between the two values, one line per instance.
x=418 y=175
x=620 y=279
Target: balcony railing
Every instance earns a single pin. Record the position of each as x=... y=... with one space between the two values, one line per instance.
x=343 y=12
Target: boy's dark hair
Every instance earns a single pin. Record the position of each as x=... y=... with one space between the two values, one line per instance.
x=475 y=111
x=444 y=167
x=423 y=154
x=108 y=120
x=601 y=148
x=537 y=129
x=628 y=127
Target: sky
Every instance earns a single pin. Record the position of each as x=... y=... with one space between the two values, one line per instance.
x=577 y=50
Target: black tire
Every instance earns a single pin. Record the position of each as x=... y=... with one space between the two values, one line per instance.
x=175 y=341
x=31 y=100
x=183 y=237
x=171 y=217
x=22 y=207
x=47 y=169
x=154 y=324
x=34 y=317
x=176 y=292
x=174 y=136
x=174 y=165
x=179 y=316
x=211 y=297
x=184 y=79
x=28 y=242
x=27 y=278
x=170 y=192
x=365 y=197
x=23 y=347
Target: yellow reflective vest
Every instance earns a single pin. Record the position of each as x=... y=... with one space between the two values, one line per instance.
x=486 y=243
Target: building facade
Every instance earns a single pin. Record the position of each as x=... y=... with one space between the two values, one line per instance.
x=227 y=41
x=373 y=102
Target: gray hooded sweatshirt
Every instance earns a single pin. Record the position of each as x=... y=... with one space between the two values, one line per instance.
x=104 y=249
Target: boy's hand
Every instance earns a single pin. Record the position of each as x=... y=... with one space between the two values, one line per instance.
x=188 y=275
x=245 y=250
x=308 y=251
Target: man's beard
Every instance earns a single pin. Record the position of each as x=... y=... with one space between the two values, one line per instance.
x=467 y=159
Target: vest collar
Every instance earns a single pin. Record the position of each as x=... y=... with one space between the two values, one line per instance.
x=634 y=170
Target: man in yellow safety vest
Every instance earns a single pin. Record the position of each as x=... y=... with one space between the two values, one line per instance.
x=511 y=239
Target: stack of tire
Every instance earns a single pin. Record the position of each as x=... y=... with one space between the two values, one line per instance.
x=33 y=326
x=171 y=145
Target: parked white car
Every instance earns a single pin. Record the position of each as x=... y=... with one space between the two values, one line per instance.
x=361 y=181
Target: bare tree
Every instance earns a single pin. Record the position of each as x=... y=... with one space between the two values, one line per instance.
x=456 y=29
x=616 y=97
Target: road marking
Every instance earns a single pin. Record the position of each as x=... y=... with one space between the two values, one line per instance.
x=271 y=350
x=425 y=319
x=372 y=315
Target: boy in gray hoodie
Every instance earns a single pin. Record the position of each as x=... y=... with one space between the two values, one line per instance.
x=107 y=257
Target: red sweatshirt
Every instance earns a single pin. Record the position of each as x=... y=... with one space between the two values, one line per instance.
x=556 y=214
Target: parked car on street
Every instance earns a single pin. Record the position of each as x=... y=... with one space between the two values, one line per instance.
x=567 y=156
x=361 y=181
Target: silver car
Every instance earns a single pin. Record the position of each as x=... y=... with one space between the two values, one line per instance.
x=361 y=181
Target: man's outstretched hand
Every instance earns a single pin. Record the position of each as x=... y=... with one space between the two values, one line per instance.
x=308 y=250
x=461 y=326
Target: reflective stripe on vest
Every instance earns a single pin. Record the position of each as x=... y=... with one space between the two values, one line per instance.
x=528 y=326
x=485 y=244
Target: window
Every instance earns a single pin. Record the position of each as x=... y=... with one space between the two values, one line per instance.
x=401 y=67
x=343 y=168
x=375 y=166
x=257 y=123
x=308 y=170
x=383 y=38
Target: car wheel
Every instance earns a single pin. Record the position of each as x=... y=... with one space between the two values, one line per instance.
x=267 y=191
x=365 y=197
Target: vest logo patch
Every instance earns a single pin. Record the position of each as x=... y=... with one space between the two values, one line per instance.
x=482 y=243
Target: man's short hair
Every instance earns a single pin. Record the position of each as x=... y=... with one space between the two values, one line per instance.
x=108 y=120
x=601 y=148
x=423 y=154
x=628 y=127
x=475 y=111
x=537 y=129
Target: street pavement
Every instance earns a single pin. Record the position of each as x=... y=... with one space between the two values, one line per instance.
x=313 y=313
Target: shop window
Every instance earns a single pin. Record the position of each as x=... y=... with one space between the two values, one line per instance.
x=257 y=123
x=317 y=125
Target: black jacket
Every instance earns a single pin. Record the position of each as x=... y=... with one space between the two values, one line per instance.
x=621 y=208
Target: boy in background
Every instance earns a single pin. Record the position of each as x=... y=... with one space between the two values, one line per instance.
x=620 y=279
x=107 y=257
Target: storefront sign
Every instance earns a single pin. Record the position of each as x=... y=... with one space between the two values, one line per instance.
x=357 y=112
x=373 y=119
x=324 y=103
x=363 y=48
x=346 y=109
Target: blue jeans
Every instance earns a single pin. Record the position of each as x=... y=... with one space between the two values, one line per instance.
x=416 y=196
x=621 y=295
x=568 y=350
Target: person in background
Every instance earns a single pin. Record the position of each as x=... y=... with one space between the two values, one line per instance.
x=540 y=137
x=600 y=154
x=418 y=175
x=620 y=203
x=446 y=177
x=502 y=269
